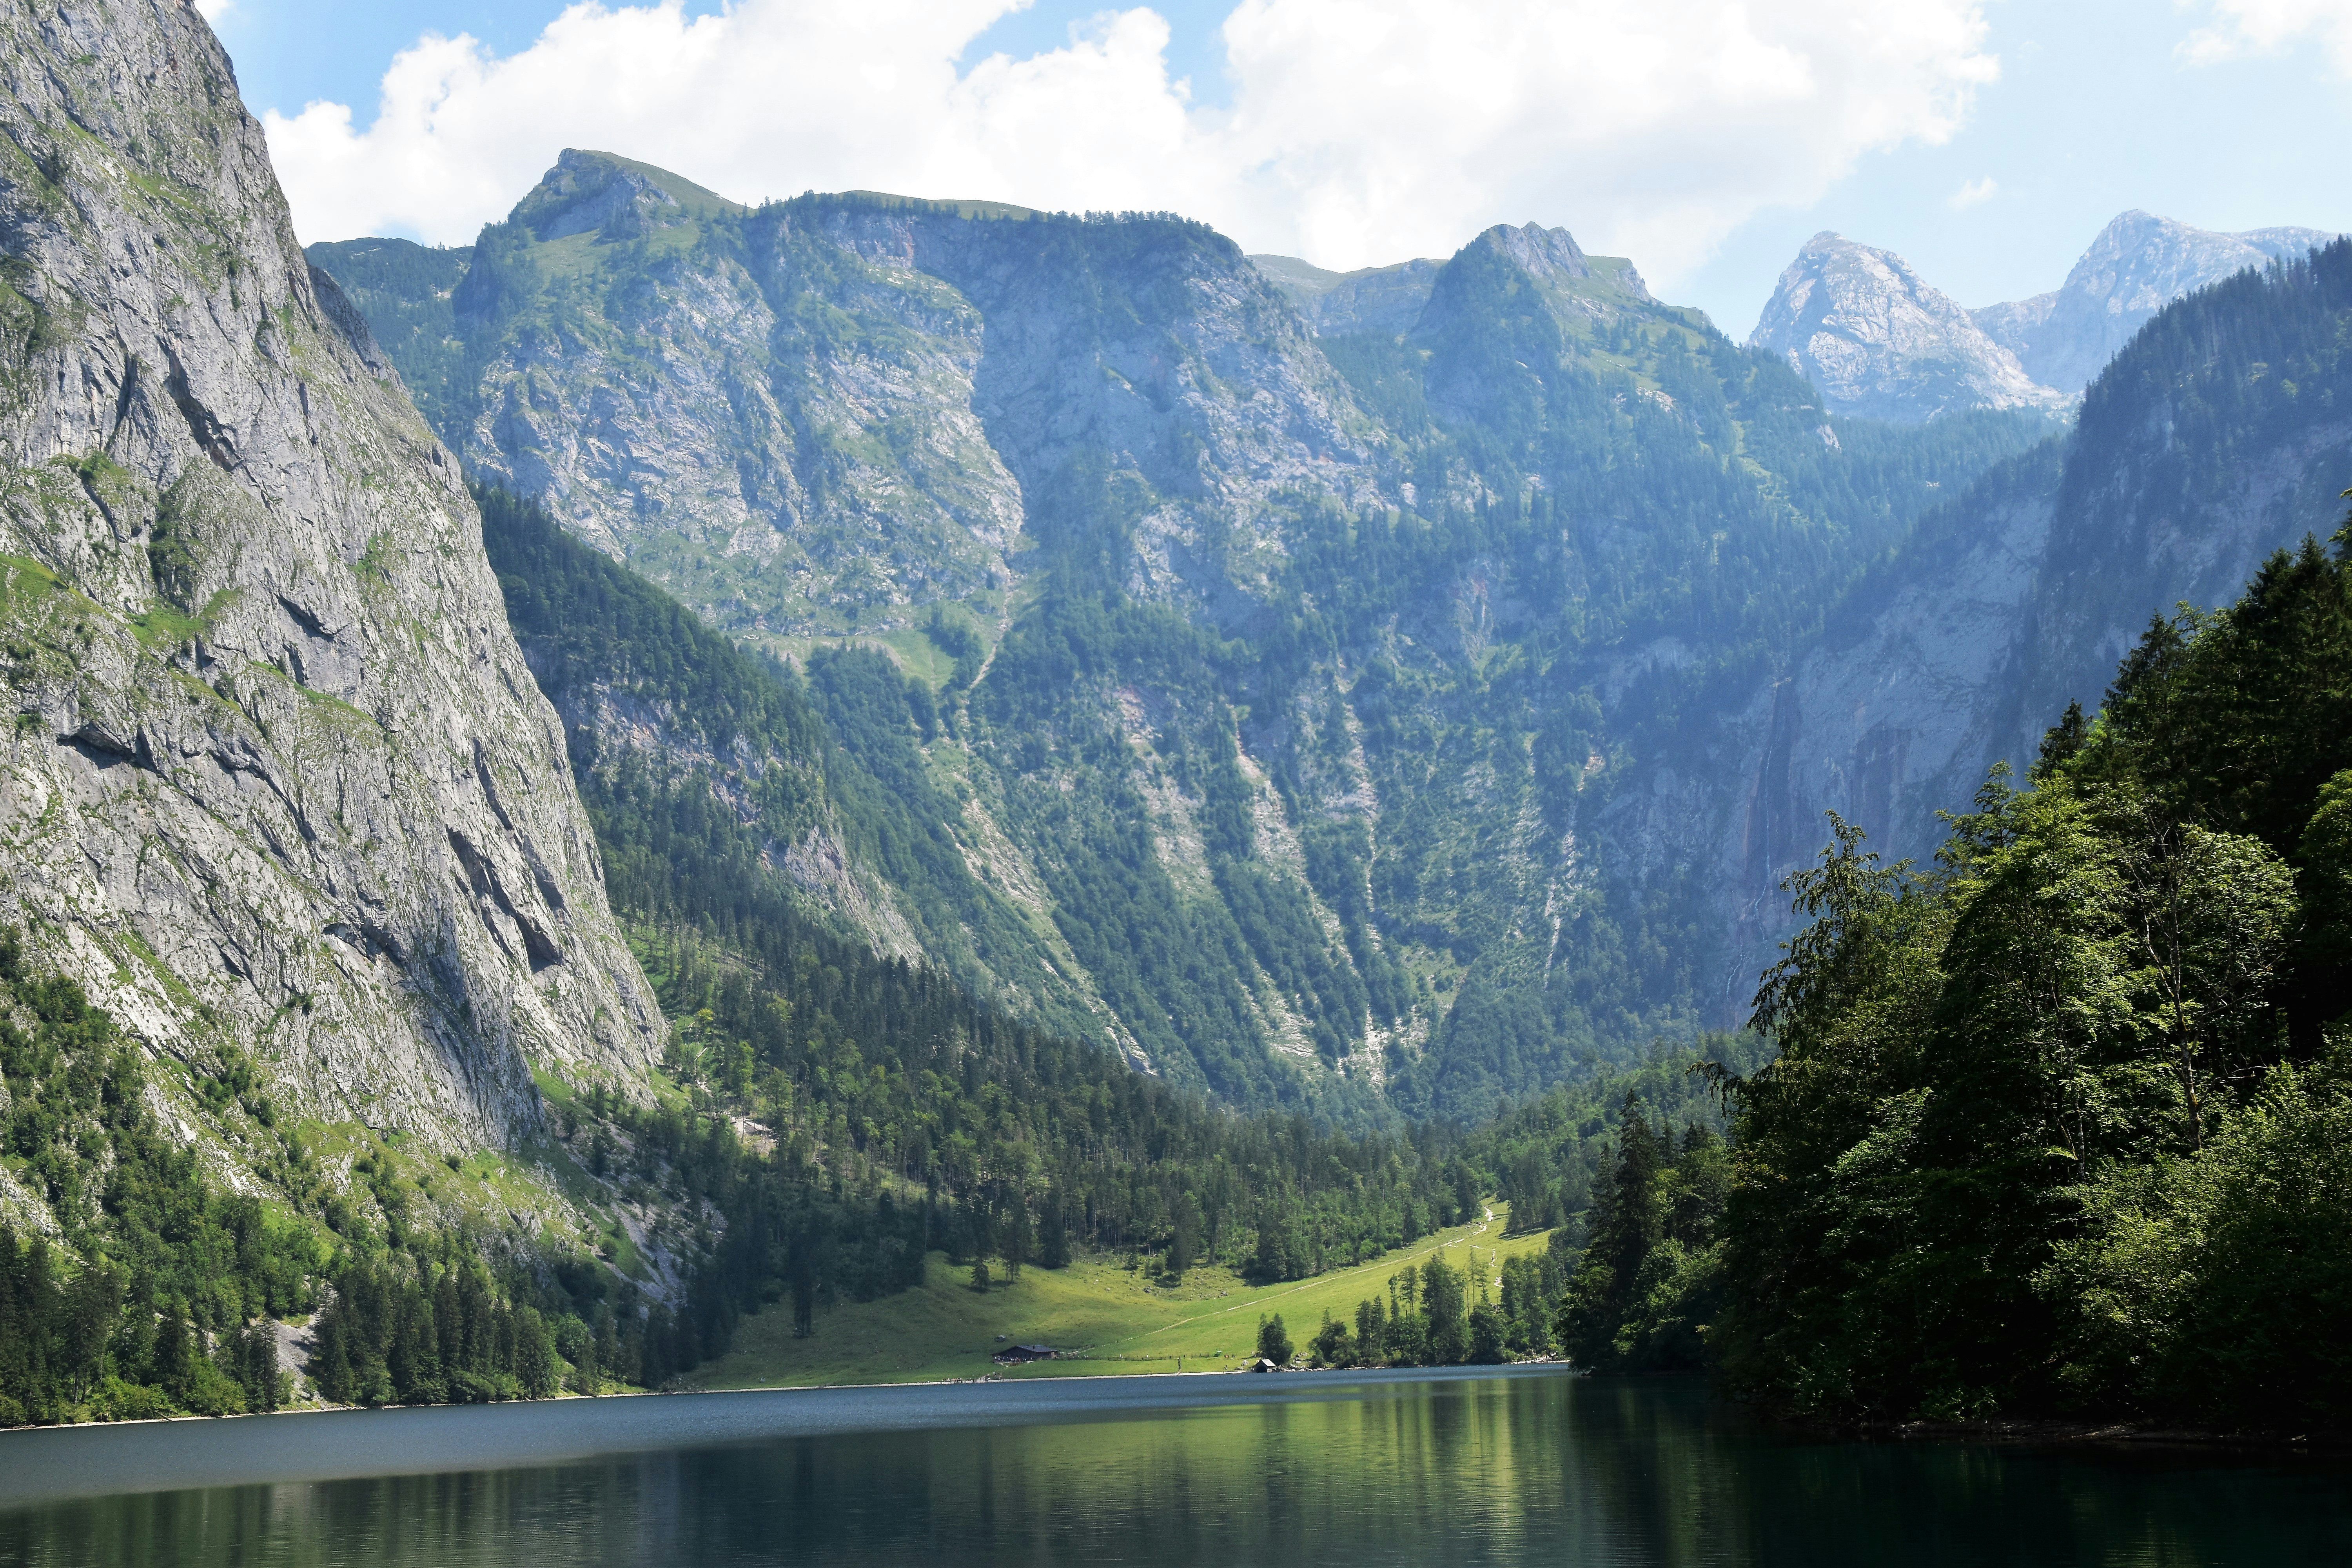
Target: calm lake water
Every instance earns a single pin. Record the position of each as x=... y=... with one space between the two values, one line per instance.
x=1525 y=1467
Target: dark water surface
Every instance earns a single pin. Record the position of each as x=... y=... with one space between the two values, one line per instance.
x=1526 y=1466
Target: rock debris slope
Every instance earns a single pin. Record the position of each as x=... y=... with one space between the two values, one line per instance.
x=277 y=780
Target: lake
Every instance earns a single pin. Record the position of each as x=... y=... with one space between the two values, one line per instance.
x=1516 y=1466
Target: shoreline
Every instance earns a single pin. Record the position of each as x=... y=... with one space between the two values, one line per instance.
x=2038 y=1432
x=54 y=1463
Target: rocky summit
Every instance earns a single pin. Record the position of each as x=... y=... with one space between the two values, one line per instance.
x=2138 y=265
x=1883 y=344
x=280 y=791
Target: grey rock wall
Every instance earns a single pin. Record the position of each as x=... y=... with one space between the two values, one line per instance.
x=278 y=777
x=1880 y=342
x=2019 y=598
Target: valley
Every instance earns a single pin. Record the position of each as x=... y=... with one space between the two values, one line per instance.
x=698 y=793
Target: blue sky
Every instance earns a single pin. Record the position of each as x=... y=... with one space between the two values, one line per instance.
x=2095 y=109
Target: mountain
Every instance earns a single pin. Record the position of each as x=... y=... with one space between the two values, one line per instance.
x=1881 y=342
x=2220 y=433
x=322 y=1048
x=2138 y=265
x=1380 y=300
x=282 y=790
x=1257 y=670
x=1387 y=301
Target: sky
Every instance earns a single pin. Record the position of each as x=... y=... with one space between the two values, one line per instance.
x=1986 y=141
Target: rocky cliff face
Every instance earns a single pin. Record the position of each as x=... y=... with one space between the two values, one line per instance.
x=279 y=779
x=2139 y=264
x=1881 y=342
x=788 y=417
x=1383 y=300
x=2190 y=464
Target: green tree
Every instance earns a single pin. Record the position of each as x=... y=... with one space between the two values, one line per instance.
x=1273 y=1341
x=1448 y=1335
x=1487 y=1336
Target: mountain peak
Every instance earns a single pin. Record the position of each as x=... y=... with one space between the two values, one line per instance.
x=589 y=191
x=2139 y=263
x=1545 y=253
x=1879 y=341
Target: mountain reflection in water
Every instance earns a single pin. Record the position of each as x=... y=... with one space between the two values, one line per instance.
x=1344 y=1469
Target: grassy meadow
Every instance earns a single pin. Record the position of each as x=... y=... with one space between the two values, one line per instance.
x=1117 y=1319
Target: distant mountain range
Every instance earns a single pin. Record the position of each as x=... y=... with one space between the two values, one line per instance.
x=1388 y=690
x=1879 y=341
x=1882 y=342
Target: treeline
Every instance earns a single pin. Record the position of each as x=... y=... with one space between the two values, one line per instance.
x=2065 y=1122
x=1647 y=1281
x=1629 y=1175
x=161 y=1295
x=1437 y=1315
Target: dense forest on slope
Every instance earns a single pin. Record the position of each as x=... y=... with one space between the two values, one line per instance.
x=1282 y=683
x=877 y=1077
x=2064 y=1123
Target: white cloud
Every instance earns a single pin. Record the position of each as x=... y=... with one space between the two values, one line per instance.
x=213 y=10
x=1358 y=130
x=2258 y=27
x=1974 y=194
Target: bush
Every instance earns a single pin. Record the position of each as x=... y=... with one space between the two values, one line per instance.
x=2216 y=1286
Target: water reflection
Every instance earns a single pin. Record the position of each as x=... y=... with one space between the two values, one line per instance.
x=1512 y=1470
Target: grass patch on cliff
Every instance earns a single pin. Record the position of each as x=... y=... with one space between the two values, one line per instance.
x=1120 y=1320
x=165 y=626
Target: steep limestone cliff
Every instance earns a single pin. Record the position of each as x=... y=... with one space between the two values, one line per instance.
x=278 y=779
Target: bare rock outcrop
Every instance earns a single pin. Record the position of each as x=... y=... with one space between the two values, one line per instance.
x=277 y=778
x=1882 y=342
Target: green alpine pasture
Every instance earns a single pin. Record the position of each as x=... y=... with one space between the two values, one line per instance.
x=1103 y=1319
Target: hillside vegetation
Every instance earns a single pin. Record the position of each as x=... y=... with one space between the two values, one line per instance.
x=2060 y=1123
